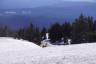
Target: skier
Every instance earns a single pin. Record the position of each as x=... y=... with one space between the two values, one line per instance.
x=69 y=41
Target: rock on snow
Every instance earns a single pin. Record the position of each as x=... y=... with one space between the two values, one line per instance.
x=14 y=51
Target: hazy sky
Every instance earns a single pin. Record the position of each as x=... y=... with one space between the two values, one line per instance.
x=31 y=3
x=81 y=0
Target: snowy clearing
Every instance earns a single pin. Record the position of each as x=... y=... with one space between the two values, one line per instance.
x=14 y=51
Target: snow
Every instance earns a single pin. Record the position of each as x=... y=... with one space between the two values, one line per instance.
x=14 y=51
x=47 y=42
x=10 y=12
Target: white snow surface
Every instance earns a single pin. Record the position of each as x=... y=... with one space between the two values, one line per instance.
x=14 y=51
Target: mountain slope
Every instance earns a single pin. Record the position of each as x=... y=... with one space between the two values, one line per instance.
x=21 y=52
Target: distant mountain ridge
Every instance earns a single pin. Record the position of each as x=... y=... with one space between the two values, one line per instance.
x=60 y=9
x=46 y=15
x=18 y=4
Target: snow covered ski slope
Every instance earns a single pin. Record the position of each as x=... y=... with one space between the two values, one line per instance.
x=14 y=51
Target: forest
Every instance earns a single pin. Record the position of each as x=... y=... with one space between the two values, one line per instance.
x=81 y=30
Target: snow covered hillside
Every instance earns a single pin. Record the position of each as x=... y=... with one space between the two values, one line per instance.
x=14 y=51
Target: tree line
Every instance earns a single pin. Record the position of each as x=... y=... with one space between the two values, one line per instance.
x=81 y=30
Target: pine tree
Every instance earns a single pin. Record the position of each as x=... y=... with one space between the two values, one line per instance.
x=29 y=33
x=43 y=33
x=21 y=34
x=6 y=32
x=91 y=34
x=67 y=31
x=37 y=36
x=90 y=24
x=80 y=27
x=55 y=32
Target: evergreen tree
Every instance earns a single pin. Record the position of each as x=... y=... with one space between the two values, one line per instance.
x=29 y=33
x=90 y=33
x=43 y=33
x=90 y=24
x=55 y=32
x=6 y=32
x=21 y=34
x=94 y=26
x=37 y=36
x=80 y=27
x=67 y=31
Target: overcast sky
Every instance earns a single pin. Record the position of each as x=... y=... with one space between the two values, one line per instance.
x=32 y=3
